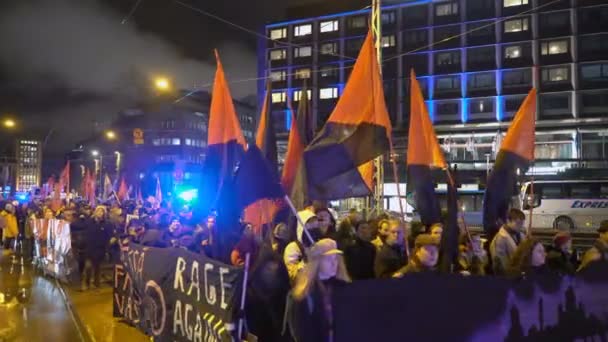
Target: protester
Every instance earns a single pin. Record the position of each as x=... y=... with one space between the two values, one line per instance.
x=360 y=256
x=559 y=256
x=391 y=257
x=383 y=230
x=528 y=259
x=327 y=223
x=425 y=256
x=505 y=243
x=280 y=238
x=436 y=229
x=312 y=318
x=98 y=233
x=599 y=251
x=295 y=252
x=472 y=258
x=248 y=244
x=11 y=230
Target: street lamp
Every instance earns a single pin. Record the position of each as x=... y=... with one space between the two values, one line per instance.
x=111 y=135
x=94 y=153
x=9 y=123
x=162 y=84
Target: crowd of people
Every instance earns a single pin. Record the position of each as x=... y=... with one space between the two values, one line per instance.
x=296 y=266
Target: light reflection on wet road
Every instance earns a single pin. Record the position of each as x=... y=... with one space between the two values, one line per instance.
x=32 y=307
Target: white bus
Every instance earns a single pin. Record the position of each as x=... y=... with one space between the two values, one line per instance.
x=566 y=205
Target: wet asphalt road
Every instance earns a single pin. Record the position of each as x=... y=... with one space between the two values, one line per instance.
x=32 y=307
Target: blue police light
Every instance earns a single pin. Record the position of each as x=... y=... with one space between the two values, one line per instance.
x=188 y=195
x=21 y=197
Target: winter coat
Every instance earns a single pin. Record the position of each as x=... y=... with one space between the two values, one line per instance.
x=502 y=248
x=560 y=262
x=10 y=230
x=97 y=237
x=415 y=266
x=360 y=258
x=311 y=318
x=389 y=260
x=599 y=252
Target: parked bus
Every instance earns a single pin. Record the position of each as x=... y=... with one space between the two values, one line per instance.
x=566 y=205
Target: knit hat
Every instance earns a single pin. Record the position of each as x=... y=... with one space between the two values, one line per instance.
x=426 y=240
x=325 y=247
x=561 y=239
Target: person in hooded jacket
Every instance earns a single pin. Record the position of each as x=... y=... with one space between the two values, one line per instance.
x=295 y=252
x=11 y=230
x=97 y=235
x=559 y=256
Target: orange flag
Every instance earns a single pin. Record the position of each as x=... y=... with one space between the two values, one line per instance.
x=423 y=155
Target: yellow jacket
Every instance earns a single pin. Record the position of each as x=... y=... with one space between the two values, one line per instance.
x=10 y=229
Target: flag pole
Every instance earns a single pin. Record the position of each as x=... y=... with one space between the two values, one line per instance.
x=243 y=295
x=295 y=212
x=376 y=24
x=529 y=233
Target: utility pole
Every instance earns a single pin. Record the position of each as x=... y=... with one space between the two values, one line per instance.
x=376 y=22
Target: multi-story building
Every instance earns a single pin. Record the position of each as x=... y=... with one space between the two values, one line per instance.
x=167 y=140
x=28 y=165
x=476 y=60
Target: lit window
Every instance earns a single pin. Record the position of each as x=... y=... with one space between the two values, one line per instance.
x=156 y=142
x=328 y=26
x=278 y=97
x=511 y=3
x=175 y=142
x=302 y=30
x=329 y=48
x=513 y=52
x=277 y=76
x=276 y=55
x=297 y=95
x=328 y=93
x=446 y=9
x=357 y=22
x=388 y=41
x=558 y=74
x=302 y=74
x=516 y=25
x=304 y=51
x=188 y=142
x=279 y=33
x=555 y=47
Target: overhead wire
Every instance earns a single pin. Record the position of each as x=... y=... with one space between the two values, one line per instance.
x=201 y=87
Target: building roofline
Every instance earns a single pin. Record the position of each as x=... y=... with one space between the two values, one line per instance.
x=342 y=14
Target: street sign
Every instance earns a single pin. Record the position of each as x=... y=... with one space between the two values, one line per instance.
x=138 y=136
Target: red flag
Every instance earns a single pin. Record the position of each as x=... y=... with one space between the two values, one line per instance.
x=225 y=142
x=123 y=190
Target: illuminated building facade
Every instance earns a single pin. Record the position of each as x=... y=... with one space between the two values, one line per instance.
x=28 y=165
x=476 y=60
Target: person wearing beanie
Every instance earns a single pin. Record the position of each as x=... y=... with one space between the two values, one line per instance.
x=559 y=256
x=425 y=256
x=599 y=250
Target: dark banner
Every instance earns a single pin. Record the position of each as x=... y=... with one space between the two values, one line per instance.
x=175 y=295
x=428 y=307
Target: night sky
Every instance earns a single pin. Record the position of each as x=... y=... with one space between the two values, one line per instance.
x=67 y=64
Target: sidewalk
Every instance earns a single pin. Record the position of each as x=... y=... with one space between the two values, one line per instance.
x=94 y=310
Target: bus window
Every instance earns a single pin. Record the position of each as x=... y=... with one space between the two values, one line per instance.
x=581 y=190
x=604 y=190
x=551 y=191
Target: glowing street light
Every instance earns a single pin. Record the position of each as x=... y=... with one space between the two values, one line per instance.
x=9 y=123
x=111 y=135
x=94 y=153
x=162 y=84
